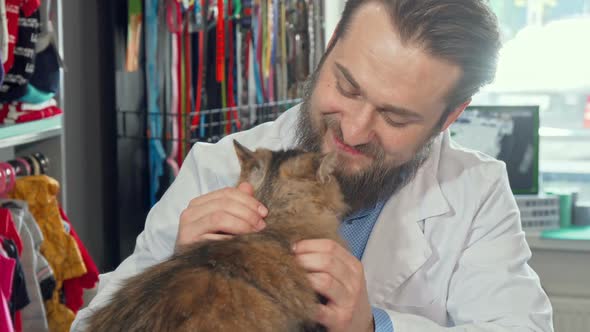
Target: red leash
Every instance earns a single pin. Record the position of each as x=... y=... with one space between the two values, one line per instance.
x=199 y=89
x=231 y=100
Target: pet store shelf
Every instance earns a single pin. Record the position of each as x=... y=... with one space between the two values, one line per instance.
x=19 y=134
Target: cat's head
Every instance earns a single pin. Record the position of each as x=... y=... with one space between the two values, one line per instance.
x=291 y=175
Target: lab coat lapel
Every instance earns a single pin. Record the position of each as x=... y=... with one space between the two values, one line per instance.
x=397 y=248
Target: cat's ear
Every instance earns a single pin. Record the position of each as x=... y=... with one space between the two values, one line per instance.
x=251 y=163
x=245 y=156
x=327 y=165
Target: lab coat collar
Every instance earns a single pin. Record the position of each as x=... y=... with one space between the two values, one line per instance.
x=397 y=247
x=423 y=197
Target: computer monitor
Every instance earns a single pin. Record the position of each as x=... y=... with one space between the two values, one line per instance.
x=507 y=133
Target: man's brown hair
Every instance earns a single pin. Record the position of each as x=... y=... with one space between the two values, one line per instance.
x=462 y=32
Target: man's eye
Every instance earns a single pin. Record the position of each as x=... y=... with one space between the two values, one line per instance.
x=347 y=92
x=392 y=122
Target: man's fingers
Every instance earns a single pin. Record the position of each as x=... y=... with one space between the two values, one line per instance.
x=328 y=286
x=228 y=211
x=330 y=273
x=246 y=188
x=330 y=248
x=218 y=208
x=325 y=315
x=217 y=237
x=215 y=223
x=223 y=222
x=234 y=194
x=319 y=245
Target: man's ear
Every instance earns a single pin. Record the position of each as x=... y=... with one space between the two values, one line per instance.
x=455 y=114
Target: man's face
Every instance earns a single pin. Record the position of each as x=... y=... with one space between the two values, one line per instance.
x=377 y=103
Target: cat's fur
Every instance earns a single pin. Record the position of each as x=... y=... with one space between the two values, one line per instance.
x=250 y=282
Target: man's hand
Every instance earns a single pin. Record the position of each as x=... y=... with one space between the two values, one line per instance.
x=337 y=275
x=221 y=214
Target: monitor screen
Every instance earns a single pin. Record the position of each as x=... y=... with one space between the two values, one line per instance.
x=507 y=133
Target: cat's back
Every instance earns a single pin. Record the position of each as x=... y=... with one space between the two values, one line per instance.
x=248 y=283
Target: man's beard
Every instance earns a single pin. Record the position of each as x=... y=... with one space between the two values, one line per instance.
x=365 y=188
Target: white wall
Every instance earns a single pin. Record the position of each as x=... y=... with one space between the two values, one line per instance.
x=333 y=10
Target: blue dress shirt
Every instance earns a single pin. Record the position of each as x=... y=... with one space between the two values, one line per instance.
x=356 y=230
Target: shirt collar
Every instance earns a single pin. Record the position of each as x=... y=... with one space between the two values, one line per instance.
x=363 y=213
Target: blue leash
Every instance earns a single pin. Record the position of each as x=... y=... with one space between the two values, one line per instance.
x=157 y=154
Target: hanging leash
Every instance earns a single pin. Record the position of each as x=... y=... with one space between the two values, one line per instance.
x=260 y=95
x=181 y=91
x=284 y=55
x=220 y=56
x=310 y=31
x=199 y=15
x=172 y=157
x=174 y=16
x=175 y=23
x=171 y=22
x=204 y=104
x=231 y=101
x=135 y=18
x=157 y=154
x=229 y=68
x=220 y=45
x=239 y=53
x=188 y=85
x=272 y=39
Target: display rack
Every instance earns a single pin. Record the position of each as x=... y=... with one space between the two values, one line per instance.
x=20 y=134
x=212 y=130
x=45 y=136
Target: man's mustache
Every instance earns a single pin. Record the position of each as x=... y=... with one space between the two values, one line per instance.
x=371 y=149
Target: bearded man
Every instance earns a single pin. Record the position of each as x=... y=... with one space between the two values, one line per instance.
x=434 y=233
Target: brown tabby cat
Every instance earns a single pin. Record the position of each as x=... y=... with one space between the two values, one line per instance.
x=250 y=282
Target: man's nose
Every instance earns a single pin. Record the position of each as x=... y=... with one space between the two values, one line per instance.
x=357 y=125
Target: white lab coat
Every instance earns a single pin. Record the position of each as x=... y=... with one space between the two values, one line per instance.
x=447 y=252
